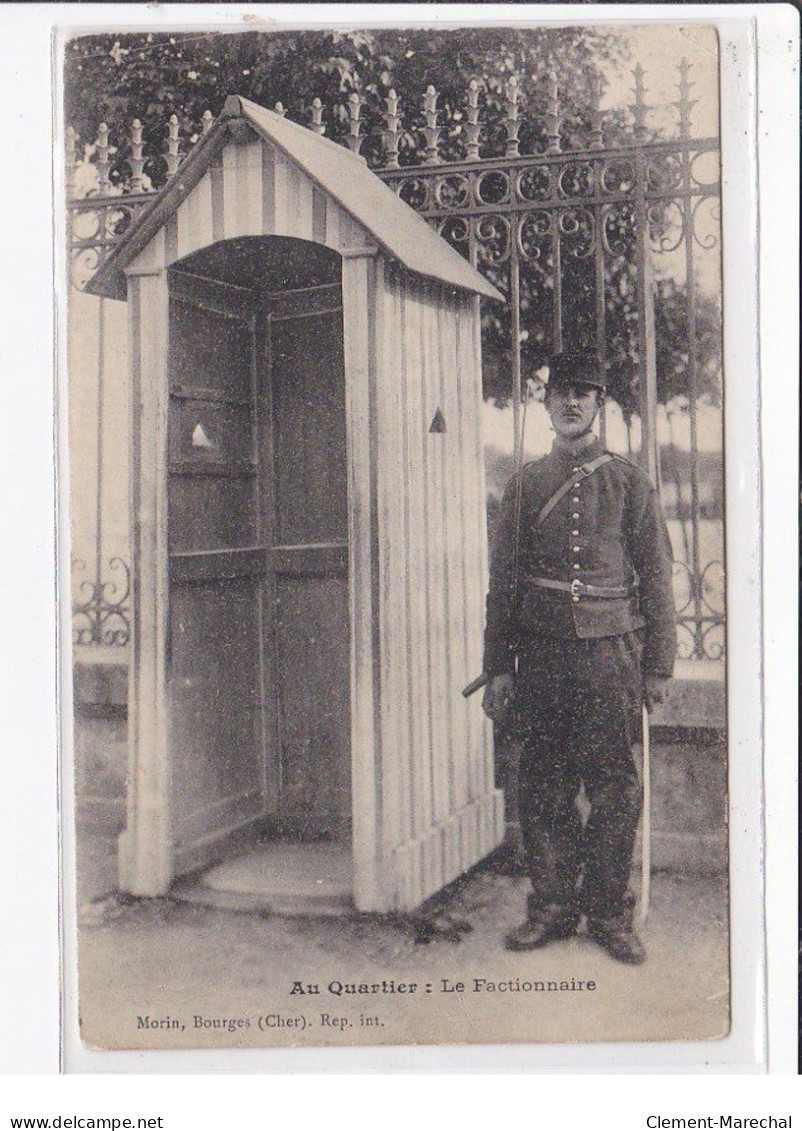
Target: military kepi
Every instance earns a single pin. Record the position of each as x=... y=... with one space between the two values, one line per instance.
x=577 y=369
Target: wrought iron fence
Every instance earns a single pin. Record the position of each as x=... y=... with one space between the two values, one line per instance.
x=101 y=609
x=574 y=233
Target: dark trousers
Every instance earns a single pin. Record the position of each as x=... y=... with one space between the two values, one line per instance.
x=576 y=701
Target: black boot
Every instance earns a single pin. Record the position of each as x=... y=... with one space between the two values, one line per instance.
x=543 y=925
x=617 y=936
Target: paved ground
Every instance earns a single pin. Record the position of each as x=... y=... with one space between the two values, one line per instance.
x=161 y=973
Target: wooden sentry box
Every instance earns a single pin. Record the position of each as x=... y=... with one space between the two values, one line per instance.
x=308 y=517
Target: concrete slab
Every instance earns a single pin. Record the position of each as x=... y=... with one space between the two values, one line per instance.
x=283 y=878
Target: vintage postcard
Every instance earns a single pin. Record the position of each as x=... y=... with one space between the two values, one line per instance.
x=397 y=518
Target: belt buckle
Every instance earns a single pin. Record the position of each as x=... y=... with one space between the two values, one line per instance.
x=576 y=587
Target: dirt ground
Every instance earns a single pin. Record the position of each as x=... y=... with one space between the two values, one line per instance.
x=166 y=974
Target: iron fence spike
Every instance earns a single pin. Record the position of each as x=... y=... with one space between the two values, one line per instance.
x=640 y=132
x=472 y=127
x=553 y=120
x=172 y=157
x=136 y=161
x=392 y=131
x=511 y=123
x=316 y=124
x=102 y=147
x=431 y=130
x=355 y=137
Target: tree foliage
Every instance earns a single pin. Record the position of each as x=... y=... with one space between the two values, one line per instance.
x=115 y=78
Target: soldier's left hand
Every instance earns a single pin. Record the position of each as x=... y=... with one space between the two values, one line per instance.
x=654 y=691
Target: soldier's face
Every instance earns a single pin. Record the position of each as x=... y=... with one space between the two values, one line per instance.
x=572 y=409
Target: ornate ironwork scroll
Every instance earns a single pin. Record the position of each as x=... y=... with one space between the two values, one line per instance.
x=101 y=611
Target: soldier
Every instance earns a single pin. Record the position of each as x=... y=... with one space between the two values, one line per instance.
x=580 y=633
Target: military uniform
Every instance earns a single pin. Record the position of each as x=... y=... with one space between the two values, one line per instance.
x=590 y=615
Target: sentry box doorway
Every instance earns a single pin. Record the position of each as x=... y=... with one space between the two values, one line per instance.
x=308 y=517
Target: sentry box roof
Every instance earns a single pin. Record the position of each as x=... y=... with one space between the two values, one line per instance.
x=395 y=227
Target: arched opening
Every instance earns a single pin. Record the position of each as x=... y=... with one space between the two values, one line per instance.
x=258 y=640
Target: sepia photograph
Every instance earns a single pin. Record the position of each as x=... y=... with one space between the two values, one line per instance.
x=396 y=503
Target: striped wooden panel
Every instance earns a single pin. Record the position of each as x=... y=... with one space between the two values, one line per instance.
x=456 y=813
x=437 y=580
x=437 y=857
x=333 y=214
x=304 y=211
x=232 y=194
x=481 y=512
x=469 y=323
x=391 y=612
x=217 y=189
x=252 y=189
x=473 y=507
x=251 y=173
x=318 y=215
x=242 y=192
x=393 y=627
x=463 y=539
x=151 y=258
x=459 y=393
x=454 y=547
x=415 y=722
x=437 y=810
x=268 y=191
x=458 y=542
x=351 y=233
x=237 y=197
x=416 y=432
x=475 y=550
x=398 y=551
x=292 y=194
x=395 y=379
x=282 y=204
x=359 y=345
x=195 y=219
x=146 y=850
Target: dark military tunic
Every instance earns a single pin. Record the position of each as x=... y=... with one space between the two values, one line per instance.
x=580 y=662
x=609 y=531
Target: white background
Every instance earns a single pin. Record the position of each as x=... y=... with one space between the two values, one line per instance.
x=29 y=987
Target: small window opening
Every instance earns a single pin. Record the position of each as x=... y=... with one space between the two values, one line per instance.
x=200 y=438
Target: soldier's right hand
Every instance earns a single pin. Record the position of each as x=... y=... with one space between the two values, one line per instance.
x=498 y=695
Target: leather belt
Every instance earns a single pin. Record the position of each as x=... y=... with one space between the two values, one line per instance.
x=579 y=588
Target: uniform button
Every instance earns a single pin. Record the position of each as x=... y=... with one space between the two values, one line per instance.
x=575 y=470
x=576 y=486
x=576 y=549
x=575 y=514
x=576 y=565
x=575 y=600
x=575 y=499
x=575 y=533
